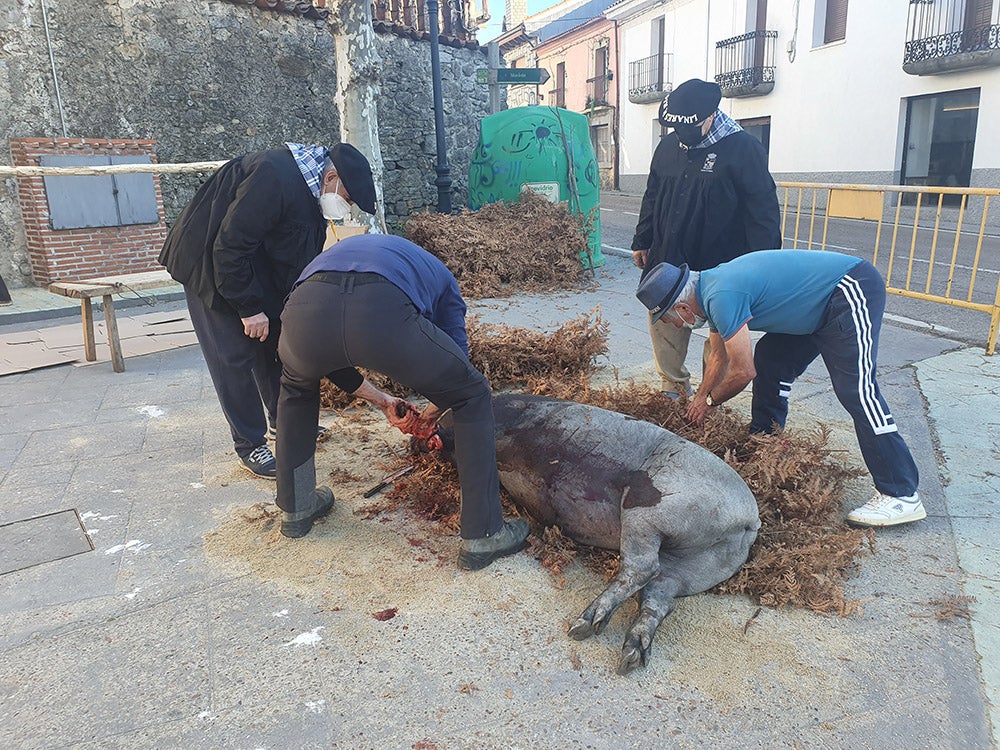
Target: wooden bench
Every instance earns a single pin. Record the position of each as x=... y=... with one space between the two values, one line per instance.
x=106 y=287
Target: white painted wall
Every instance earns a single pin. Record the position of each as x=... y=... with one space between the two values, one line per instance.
x=834 y=108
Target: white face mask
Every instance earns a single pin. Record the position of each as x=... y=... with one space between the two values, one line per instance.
x=698 y=323
x=334 y=206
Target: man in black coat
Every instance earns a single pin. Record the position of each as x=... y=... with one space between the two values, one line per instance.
x=238 y=249
x=709 y=198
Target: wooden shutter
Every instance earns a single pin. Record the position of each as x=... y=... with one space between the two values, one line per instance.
x=77 y=201
x=136 y=193
x=977 y=13
x=836 y=21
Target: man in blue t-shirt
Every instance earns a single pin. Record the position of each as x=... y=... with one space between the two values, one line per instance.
x=383 y=303
x=808 y=304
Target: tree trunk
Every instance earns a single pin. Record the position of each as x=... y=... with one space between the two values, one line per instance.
x=358 y=88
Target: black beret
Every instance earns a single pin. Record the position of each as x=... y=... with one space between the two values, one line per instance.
x=690 y=102
x=356 y=174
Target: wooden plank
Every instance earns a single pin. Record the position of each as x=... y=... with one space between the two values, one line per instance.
x=117 y=361
x=103 y=286
x=89 y=348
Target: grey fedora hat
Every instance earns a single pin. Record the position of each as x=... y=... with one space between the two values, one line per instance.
x=661 y=287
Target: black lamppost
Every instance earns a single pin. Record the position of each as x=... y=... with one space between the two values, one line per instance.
x=443 y=181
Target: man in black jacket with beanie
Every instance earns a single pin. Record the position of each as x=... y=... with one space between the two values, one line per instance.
x=709 y=198
x=238 y=248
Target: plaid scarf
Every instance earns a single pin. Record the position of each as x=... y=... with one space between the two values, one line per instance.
x=310 y=160
x=723 y=125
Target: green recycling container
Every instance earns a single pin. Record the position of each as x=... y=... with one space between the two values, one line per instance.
x=543 y=149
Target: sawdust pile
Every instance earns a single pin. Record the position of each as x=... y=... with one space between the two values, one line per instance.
x=803 y=554
x=510 y=357
x=531 y=245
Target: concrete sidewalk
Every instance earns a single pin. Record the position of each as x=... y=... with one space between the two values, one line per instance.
x=155 y=640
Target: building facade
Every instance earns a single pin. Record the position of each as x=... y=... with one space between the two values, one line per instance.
x=578 y=48
x=838 y=90
x=581 y=64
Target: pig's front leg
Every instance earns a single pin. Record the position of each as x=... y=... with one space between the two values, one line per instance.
x=640 y=546
x=656 y=601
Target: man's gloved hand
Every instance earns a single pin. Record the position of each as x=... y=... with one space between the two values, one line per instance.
x=405 y=418
x=401 y=415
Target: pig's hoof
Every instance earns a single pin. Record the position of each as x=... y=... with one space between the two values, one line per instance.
x=581 y=630
x=632 y=657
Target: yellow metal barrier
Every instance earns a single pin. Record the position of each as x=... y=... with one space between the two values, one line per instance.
x=867 y=210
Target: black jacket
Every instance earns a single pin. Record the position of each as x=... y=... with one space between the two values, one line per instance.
x=247 y=235
x=706 y=206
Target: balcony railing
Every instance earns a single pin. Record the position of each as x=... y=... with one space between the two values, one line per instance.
x=597 y=90
x=556 y=98
x=649 y=79
x=947 y=35
x=745 y=64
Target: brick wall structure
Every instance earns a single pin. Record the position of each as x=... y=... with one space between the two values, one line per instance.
x=92 y=251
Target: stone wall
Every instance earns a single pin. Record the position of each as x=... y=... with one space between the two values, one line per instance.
x=406 y=122
x=211 y=80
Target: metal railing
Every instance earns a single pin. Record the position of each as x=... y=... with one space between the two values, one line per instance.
x=744 y=64
x=650 y=76
x=950 y=28
x=597 y=89
x=923 y=248
x=557 y=98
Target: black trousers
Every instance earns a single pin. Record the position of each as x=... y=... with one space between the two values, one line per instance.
x=336 y=320
x=847 y=339
x=245 y=371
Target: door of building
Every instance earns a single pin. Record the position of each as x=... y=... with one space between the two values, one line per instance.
x=939 y=140
x=759 y=128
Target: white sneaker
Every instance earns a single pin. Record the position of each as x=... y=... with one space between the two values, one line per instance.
x=886 y=510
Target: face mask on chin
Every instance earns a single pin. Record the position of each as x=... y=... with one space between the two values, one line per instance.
x=334 y=207
x=698 y=323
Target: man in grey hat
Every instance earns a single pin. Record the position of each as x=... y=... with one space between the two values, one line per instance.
x=709 y=198
x=238 y=248
x=809 y=304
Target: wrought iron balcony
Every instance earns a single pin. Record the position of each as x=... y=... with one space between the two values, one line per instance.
x=597 y=90
x=649 y=79
x=745 y=64
x=947 y=35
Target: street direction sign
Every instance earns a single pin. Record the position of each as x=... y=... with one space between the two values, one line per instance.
x=530 y=76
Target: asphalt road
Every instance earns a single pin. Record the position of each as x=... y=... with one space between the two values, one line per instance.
x=619 y=213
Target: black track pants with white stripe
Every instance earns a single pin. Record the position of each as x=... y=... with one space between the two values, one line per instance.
x=847 y=339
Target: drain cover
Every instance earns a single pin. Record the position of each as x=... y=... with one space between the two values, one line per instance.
x=33 y=541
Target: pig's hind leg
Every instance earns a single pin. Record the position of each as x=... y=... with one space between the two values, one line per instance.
x=681 y=575
x=640 y=562
x=657 y=599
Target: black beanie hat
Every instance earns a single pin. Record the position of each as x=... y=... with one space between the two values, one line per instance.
x=691 y=102
x=356 y=174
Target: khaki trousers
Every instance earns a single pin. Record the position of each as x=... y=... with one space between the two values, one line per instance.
x=670 y=347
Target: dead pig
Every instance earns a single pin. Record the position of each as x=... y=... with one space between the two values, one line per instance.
x=681 y=517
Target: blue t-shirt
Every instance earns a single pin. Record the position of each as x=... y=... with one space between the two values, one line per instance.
x=777 y=291
x=421 y=276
